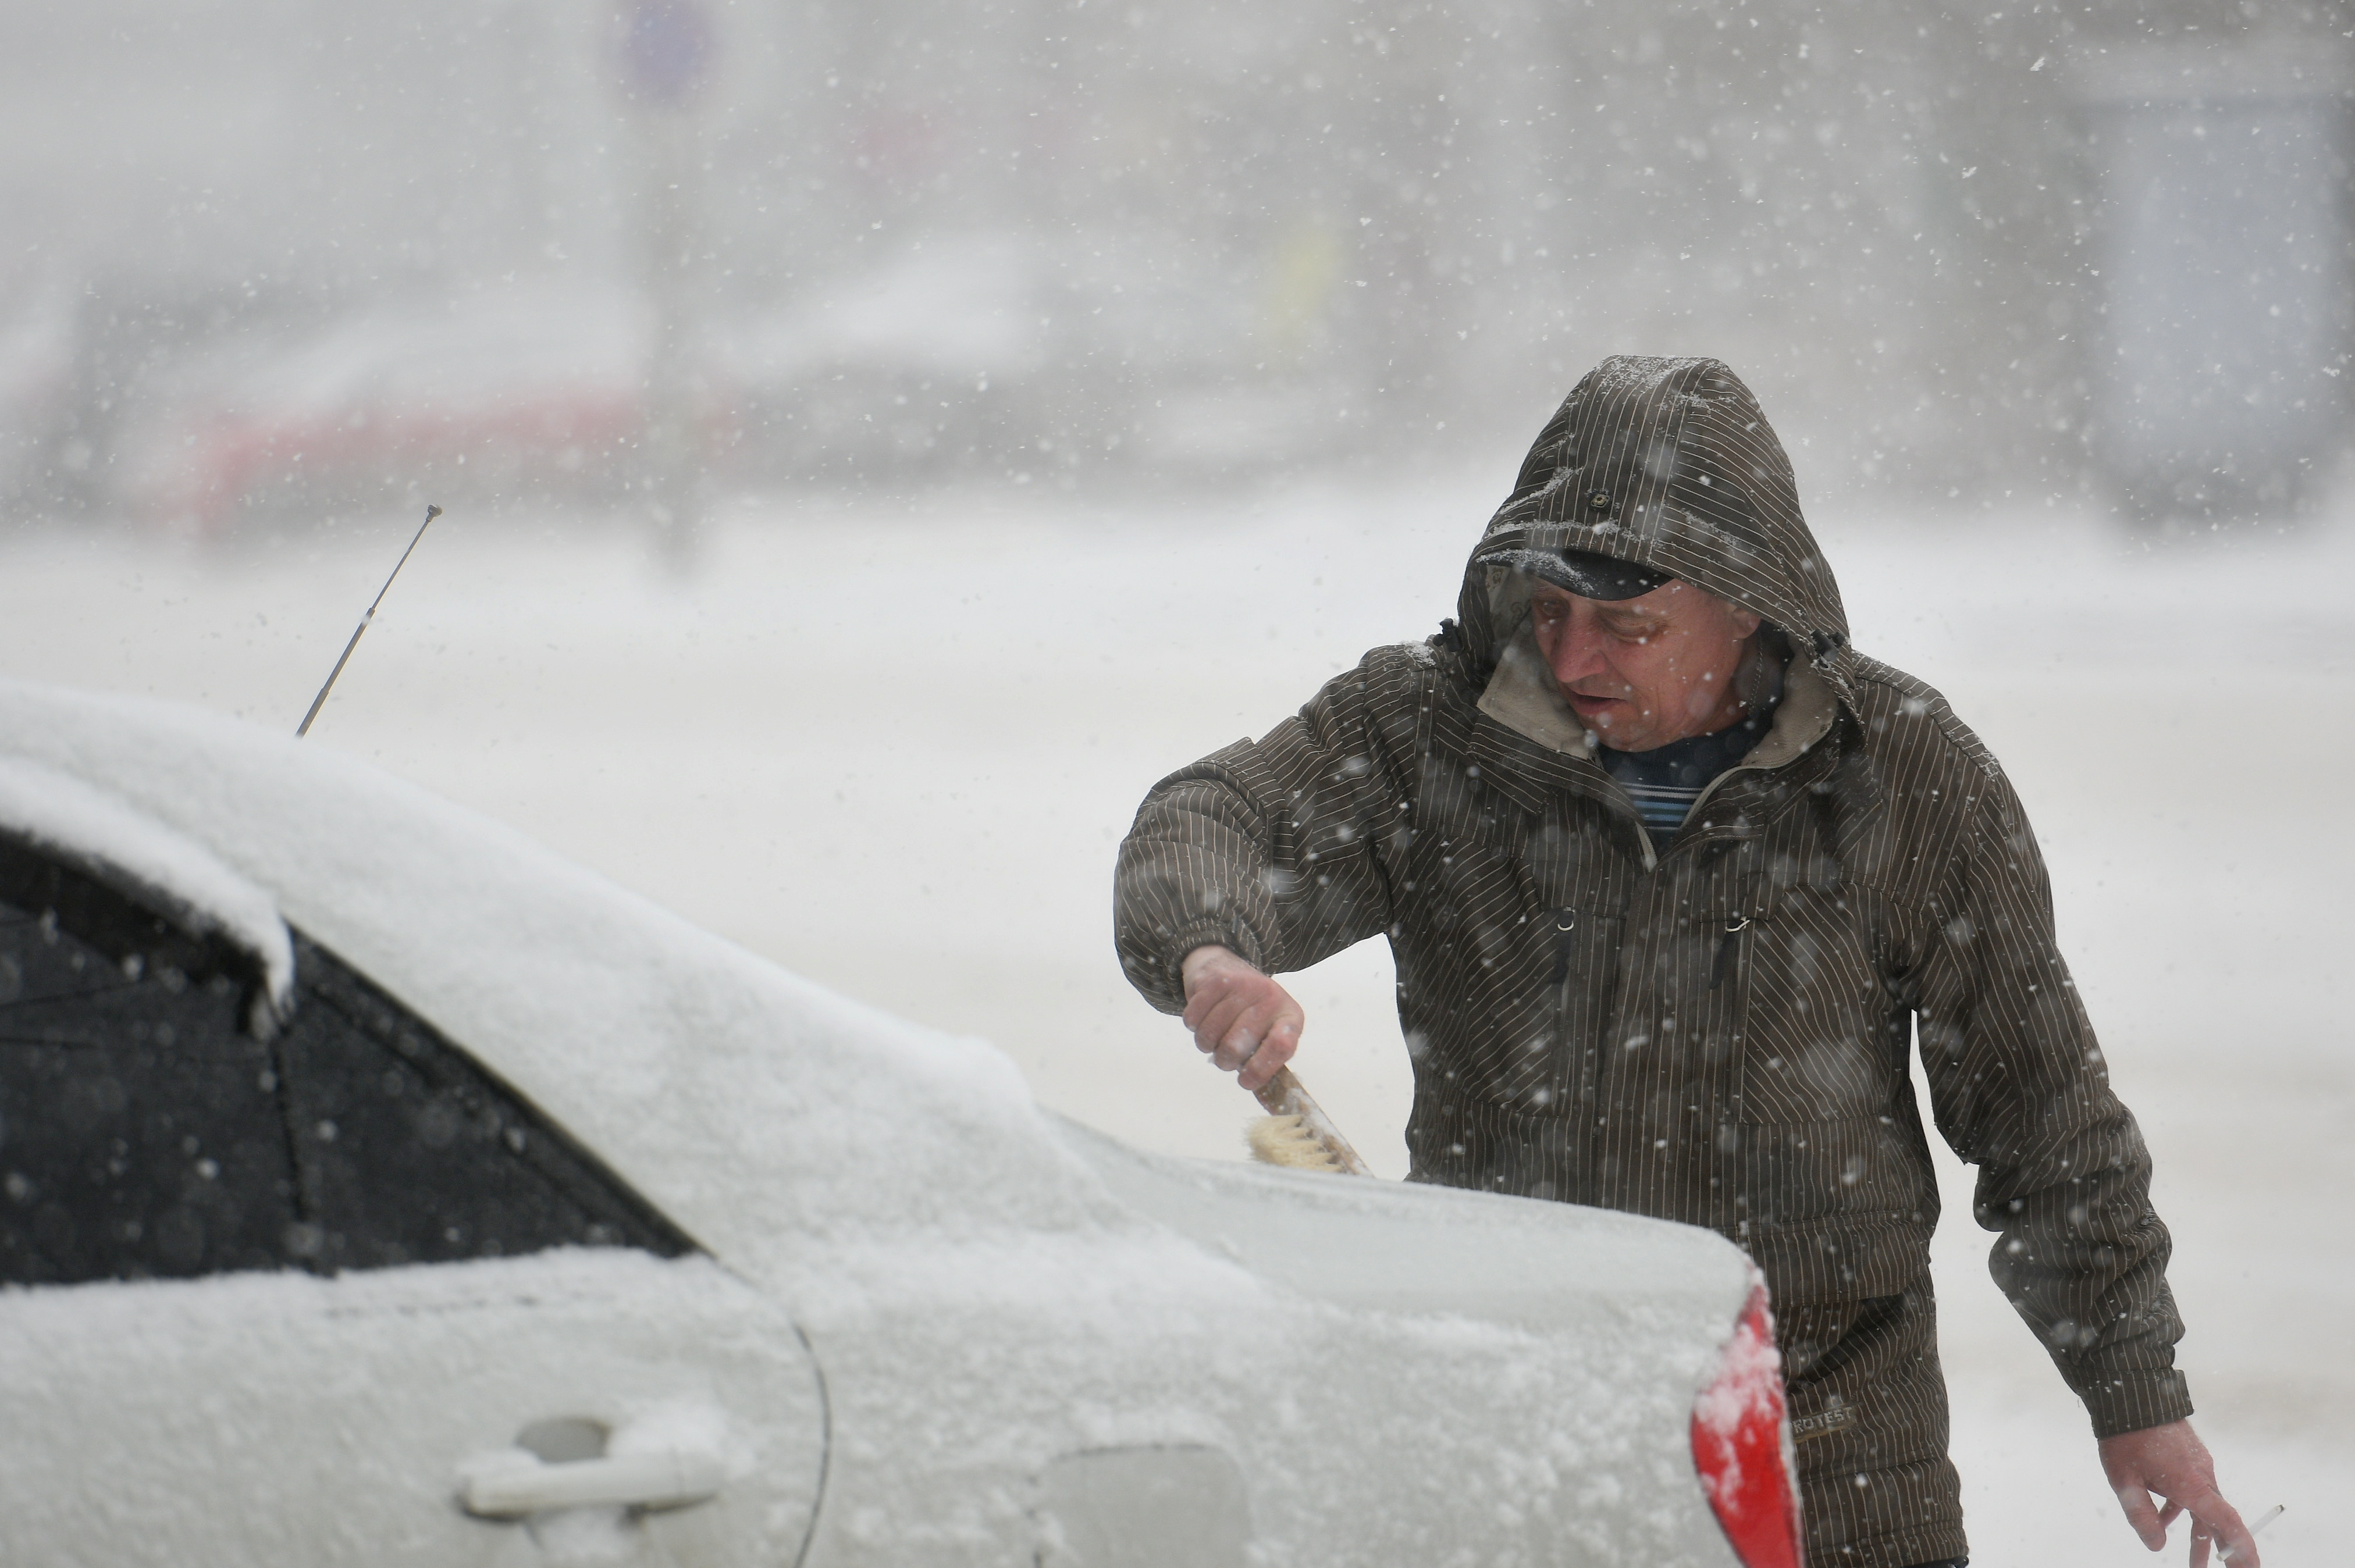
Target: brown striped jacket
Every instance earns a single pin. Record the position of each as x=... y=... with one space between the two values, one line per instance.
x=1716 y=1032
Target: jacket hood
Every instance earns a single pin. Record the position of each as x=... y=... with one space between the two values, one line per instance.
x=1671 y=464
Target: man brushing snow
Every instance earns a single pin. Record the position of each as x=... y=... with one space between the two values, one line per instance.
x=1670 y=872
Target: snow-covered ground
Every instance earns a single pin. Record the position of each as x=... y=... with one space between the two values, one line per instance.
x=893 y=743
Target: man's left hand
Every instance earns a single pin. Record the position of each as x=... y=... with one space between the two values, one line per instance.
x=2169 y=1462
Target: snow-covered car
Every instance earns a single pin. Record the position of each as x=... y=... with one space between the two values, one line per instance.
x=376 y=1187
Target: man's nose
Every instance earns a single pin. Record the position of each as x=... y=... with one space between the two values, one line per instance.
x=1577 y=653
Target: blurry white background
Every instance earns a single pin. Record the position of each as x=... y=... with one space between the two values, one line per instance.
x=880 y=441
x=285 y=261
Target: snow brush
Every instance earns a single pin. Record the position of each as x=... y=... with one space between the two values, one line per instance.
x=1296 y=1133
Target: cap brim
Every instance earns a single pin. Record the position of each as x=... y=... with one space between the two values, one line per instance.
x=1586 y=573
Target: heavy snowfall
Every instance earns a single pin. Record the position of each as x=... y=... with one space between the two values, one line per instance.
x=874 y=690
x=831 y=747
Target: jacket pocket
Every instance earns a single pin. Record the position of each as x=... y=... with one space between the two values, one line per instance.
x=1854 y=1169
x=1814 y=1028
x=1483 y=948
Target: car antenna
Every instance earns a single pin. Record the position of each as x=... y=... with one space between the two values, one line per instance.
x=321 y=700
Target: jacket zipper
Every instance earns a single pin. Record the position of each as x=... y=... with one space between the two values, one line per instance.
x=1627 y=804
x=1643 y=834
x=1711 y=788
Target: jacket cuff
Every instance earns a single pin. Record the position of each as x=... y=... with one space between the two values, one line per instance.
x=2131 y=1401
x=1223 y=931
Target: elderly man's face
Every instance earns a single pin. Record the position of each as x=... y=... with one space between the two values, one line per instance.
x=1643 y=671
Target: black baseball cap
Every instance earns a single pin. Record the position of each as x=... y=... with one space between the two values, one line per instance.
x=1589 y=574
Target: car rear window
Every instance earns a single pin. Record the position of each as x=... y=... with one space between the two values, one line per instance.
x=144 y=1131
x=140 y=1126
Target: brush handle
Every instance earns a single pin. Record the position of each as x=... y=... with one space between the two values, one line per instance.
x=1282 y=1096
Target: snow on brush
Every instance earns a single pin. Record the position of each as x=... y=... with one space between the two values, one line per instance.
x=102 y=835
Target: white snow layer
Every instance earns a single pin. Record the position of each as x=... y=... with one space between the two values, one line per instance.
x=177 y=876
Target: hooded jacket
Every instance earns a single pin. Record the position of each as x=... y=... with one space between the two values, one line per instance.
x=1716 y=1032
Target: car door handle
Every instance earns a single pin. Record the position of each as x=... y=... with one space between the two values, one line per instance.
x=514 y=1482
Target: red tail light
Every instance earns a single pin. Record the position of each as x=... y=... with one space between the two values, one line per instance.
x=1742 y=1446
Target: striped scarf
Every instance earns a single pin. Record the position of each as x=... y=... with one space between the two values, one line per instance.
x=1668 y=779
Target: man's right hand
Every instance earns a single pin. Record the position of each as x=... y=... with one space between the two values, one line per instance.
x=1241 y=1018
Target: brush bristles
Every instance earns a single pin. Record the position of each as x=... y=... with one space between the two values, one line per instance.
x=1286 y=1140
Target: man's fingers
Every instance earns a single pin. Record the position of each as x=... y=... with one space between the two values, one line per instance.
x=1221 y=997
x=1243 y=1021
x=1243 y=1037
x=1255 y=1032
x=2171 y=1460
x=1209 y=994
x=1282 y=1039
x=1223 y=1019
x=2219 y=1520
x=1218 y=981
x=2143 y=1519
x=1219 y=1021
